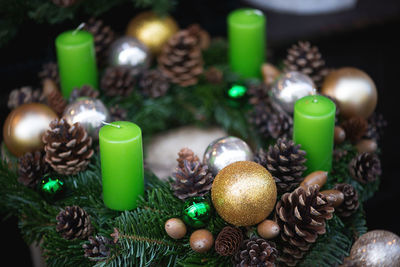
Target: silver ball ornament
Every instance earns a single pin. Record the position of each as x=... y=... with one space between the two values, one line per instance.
x=129 y=52
x=89 y=112
x=224 y=151
x=290 y=87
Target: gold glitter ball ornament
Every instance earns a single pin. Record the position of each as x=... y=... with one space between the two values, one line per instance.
x=244 y=193
x=152 y=30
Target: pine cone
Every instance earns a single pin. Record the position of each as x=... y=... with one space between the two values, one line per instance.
x=98 y=248
x=256 y=252
x=68 y=147
x=118 y=114
x=118 y=81
x=56 y=102
x=193 y=180
x=74 y=223
x=365 y=167
x=181 y=59
x=259 y=94
x=186 y=154
x=84 y=91
x=153 y=83
x=24 y=95
x=350 y=203
x=203 y=38
x=31 y=168
x=50 y=71
x=305 y=58
x=103 y=37
x=301 y=215
x=376 y=127
x=338 y=154
x=214 y=75
x=285 y=162
x=228 y=241
x=355 y=128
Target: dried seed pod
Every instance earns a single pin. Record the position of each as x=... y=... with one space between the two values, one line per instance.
x=336 y=197
x=366 y=146
x=317 y=177
x=268 y=229
x=340 y=134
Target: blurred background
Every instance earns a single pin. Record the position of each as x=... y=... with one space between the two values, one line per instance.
x=361 y=34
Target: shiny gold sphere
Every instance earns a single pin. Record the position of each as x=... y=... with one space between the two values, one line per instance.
x=24 y=127
x=152 y=30
x=244 y=193
x=354 y=91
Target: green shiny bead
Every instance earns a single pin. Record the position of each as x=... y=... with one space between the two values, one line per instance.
x=51 y=187
x=237 y=91
x=196 y=212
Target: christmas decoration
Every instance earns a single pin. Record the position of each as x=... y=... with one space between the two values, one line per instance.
x=317 y=177
x=335 y=197
x=129 y=52
x=359 y=101
x=98 y=248
x=378 y=248
x=228 y=241
x=269 y=73
x=376 y=126
x=268 y=229
x=214 y=75
x=31 y=168
x=241 y=185
x=74 y=223
x=24 y=95
x=83 y=91
x=365 y=167
x=118 y=81
x=68 y=147
x=175 y=228
x=224 y=151
x=186 y=154
x=24 y=127
x=55 y=99
x=290 y=87
x=201 y=240
x=339 y=135
x=196 y=212
x=50 y=71
x=118 y=113
x=89 y=112
x=285 y=162
x=366 y=146
x=256 y=252
x=355 y=128
x=152 y=30
x=153 y=83
x=51 y=187
x=237 y=91
x=350 y=201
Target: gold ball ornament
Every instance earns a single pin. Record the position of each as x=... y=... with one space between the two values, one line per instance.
x=175 y=228
x=201 y=240
x=152 y=30
x=24 y=127
x=354 y=91
x=244 y=193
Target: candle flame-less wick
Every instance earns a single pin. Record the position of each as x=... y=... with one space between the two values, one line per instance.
x=80 y=27
x=110 y=124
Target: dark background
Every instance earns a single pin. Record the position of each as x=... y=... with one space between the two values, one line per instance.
x=366 y=37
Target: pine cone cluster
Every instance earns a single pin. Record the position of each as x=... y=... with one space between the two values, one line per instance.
x=50 y=71
x=285 y=161
x=118 y=81
x=154 y=83
x=84 y=91
x=98 y=248
x=355 y=128
x=350 y=203
x=365 y=167
x=24 y=95
x=68 y=147
x=228 y=241
x=74 y=223
x=31 y=168
x=301 y=215
x=256 y=252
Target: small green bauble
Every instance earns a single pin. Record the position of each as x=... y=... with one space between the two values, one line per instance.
x=196 y=212
x=51 y=187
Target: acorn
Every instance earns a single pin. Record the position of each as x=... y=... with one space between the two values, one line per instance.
x=201 y=240
x=334 y=196
x=175 y=228
x=339 y=135
x=317 y=177
x=268 y=229
x=366 y=146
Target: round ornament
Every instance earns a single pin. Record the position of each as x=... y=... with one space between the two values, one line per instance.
x=196 y=212
x=24 y=127
x=89 y=112
x=354 y=91
x=51 y=187
x=376 y=248
x=224 y=151
x=244 y=193
x=290 y=87
x=175 y=228
x=201 y=240
x=129 y=52
x=152 y=30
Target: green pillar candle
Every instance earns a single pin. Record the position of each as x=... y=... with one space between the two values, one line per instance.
x=314 y=123
x=76 y=60
x=121 y=156
x=246 y=33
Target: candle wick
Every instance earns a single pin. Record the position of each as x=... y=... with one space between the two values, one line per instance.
x=113 y=125
x=80 y=27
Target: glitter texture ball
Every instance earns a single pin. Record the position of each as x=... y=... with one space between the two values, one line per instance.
x=244 y=193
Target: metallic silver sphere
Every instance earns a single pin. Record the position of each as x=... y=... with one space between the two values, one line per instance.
x=290 y=87
x=89 y=112
x=224 y=151
x=130 y=52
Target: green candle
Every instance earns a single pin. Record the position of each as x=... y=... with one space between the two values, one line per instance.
x=314 y=123
x=76 y=60
x=121 y=155
x=246 y=33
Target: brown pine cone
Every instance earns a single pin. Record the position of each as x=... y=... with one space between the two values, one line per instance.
x=285 y=161
x=355 y=128
x=256 y=252
x=31 y=168
x=338 y=154
x=181 y=59
x=214 y=75
x=259 y=94
x=228 y=241
x=153 y=83
x=74 y=223
x=186 y=154
x=117 y=113
x=365 y=167
x=56 y=102
x=301 y=215
x=84 y=91
x=118 y=81
x=50 y=71
x=203 y=38
x=350 y=203
x=98 y=248
x=24 y=95
x=376 y=127
x=193 y=180
x=68 y=147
